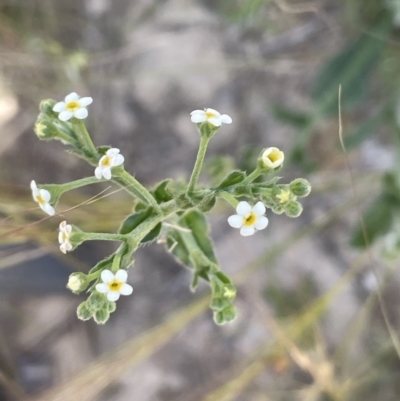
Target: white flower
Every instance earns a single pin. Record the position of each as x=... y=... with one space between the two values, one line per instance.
x=112 y=158
x=63 y=237
x=73 y=106
x=42 y=197
x=273 y=157
x=210 y=115
x=74 y=283
x=114 y=285
x=249 y=219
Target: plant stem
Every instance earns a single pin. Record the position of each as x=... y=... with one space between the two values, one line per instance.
x=78 y=183
x=103 y=237
x=252 y=176
x=199 y=163
x=229 y=198
x=131 y=185
x=84 y=136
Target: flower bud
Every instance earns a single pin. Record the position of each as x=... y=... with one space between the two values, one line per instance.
x=46 y=107
x=300 y=187
x=77 y=282
x=83 y=312
x=101 y=316
x=45 y=129
x=282 y=194
x=271 y=159
x=293 y=209
x=229 y=314
x=96 y=301
x=111 y=306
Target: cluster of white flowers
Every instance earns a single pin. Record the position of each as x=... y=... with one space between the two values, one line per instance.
x=248 y=218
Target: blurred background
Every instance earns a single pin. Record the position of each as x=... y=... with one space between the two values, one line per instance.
x=310 y=326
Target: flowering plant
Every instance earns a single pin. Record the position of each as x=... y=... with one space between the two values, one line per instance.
x=170 y=212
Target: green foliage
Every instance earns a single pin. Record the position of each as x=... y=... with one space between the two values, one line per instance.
x=233 y=178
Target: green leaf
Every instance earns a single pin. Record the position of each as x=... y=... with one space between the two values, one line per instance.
x=197 y=223
x=161 y=191
x=103 y=149
x=153 y=234
x=378 y=220
x=291 y=117
x=233 y=178
x=134 y=220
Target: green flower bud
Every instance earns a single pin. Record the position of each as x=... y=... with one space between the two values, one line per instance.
x=83 y=312
x=229 y=314
x=219 y=318
x=218 y=304
x=111 y=306
x=96 y=301
x=293 y=209
x=46 y=107
x=77 y=282
x=45 y=129
x=282 y=195
x=101 y=316
x=229 y=292
x=300 y=187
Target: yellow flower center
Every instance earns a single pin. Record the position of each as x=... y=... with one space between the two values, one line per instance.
x=64 y=237
x=115 y=285
x=71 y=106
x=210 y=114
x=249 y=219
x=274 y=155
x=229 y=293
x=105 y=161
x=40 y=200
x=284 y=196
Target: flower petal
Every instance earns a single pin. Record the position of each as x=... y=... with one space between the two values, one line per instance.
x=60 y=237
x=107 y=276
x=81 y=113
x=98 y=173
x=113 y=296
x=261 y=223
x=243 y=208
x=235 y=221
x=126 y=289
x=117 y=160
x=247 y=231
x=103 y=288
x=65 y=115
x=197 y=112
x=72 y=97
x=68 y=246
x=198 y=118
x=112 y=152
x=85 y=101
x=62 y=249
x=216 y=122
x=45 y=195
x=215 y=112
x=259 y=209
x=68 y=229
x=33 y=185
x=59 y=107
x=225 y=119
x=48 y=209
x=107 y=173
x=121 y=275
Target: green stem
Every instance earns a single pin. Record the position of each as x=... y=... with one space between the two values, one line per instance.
x=131 y=185
x=84 y=136
x=199 y=163
x=252 y=176
x=229 y=198
x=78 y=183
x=100 y=237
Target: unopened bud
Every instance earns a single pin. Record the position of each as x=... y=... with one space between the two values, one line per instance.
x=77 y=282
x=293 y=209
x=101 y=316
x=83 y=312
x=300 y=187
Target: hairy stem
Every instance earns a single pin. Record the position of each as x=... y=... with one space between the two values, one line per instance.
x=199 y=163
